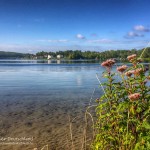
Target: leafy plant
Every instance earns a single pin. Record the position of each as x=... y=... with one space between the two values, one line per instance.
x=123 y=112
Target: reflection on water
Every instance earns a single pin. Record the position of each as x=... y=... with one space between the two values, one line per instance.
x=49 y=80
x=51 y=61
x=57 y=61
x=63 y=81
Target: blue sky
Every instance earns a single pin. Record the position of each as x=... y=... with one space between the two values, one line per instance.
x=51 y=25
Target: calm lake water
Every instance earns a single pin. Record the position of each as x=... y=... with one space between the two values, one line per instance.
x=36 y=99
x=37 y=80
x=32 y=80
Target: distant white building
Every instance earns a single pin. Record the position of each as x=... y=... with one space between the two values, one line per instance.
x=59 y=56
x=49 y=56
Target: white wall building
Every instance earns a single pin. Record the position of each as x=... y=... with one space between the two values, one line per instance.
x=59 y=56
x=49 y=56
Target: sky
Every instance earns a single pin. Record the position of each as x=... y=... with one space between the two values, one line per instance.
x=51 y=25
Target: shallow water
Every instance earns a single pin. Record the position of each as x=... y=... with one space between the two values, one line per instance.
x=36 y=99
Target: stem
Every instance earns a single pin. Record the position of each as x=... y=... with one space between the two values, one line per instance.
x=127 y=129
x=125 y=83
x=144 y=50
x=101 y=86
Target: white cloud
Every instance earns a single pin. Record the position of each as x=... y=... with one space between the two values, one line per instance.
x=141 y=28
x=137 y=31
x=132 y=34
x=80 y=36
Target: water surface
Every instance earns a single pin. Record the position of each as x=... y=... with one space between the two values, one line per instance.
x=37 y=97
x=50 y=81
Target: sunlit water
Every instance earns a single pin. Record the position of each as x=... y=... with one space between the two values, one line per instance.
x=32 y=80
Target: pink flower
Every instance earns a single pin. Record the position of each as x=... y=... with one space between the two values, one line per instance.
x=129 y=73
x=137 y=71
x=108 y=63
x=134 y=96
x=131 y=57
x=122 y=68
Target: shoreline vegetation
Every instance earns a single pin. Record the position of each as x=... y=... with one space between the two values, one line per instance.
x=121 y=120
x=122 y=114
x=77 y=55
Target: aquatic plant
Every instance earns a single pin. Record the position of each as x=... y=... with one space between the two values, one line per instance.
x=123 y=111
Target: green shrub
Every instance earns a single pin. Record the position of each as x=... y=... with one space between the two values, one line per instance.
x=123 y=111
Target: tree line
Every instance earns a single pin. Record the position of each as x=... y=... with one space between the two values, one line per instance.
x=78 y=54
x=14 y=55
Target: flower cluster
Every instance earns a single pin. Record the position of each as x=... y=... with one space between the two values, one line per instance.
x=131 y=57
x=129 y=73
x=122 y=68
x=137 y=71
x=134 y=96
x=108 y=63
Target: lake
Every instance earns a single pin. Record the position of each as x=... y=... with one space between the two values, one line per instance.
x=74 y=81
x=36 y=99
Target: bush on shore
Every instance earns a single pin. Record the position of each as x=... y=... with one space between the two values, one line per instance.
x=123 y=111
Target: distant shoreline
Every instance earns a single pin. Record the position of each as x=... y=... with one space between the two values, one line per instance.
x=77 y=55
